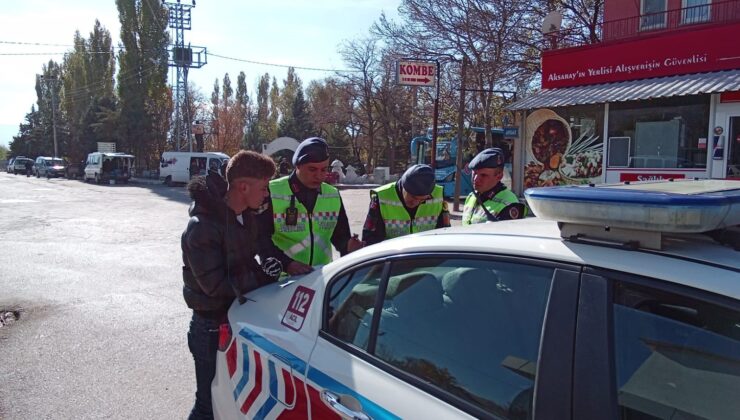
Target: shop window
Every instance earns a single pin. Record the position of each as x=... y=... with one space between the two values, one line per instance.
x=619 y=152
x=652 y=14
x=663 y=133
x=695 y=11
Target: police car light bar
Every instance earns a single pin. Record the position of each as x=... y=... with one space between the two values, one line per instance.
x=681 y=206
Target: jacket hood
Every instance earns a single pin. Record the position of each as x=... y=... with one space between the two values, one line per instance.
x=208 y=194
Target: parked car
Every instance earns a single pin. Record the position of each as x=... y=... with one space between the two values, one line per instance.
x=9 y=167
x=49 y=167
x=616 y=314
x=19 y=165
x=105 y=167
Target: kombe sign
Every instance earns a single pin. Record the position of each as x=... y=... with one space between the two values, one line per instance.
x=416 y=73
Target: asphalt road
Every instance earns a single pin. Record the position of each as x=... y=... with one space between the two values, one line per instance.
x=94 y=272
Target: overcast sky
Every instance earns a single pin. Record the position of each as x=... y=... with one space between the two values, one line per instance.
x=300 y=33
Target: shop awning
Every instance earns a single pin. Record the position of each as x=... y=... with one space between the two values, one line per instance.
x=682 y=85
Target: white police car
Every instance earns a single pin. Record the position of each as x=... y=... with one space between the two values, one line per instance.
x=603 y=318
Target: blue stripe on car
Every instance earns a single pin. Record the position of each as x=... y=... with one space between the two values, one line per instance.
x=270 y=403
x=327 y=382
x=245 y=375
x=294 y=361
x=321 y=379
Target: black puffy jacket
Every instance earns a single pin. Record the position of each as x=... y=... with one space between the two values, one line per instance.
x=218 y=252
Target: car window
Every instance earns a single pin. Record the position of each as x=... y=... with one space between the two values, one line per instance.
x=214 y=164
x=675 y=356
x=351 y=299
x=470 y=328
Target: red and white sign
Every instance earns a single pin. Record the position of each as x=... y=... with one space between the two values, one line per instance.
x=729 y=97
x=667 y=54
x=416 y=73
x=298 y=308
x=636 y=176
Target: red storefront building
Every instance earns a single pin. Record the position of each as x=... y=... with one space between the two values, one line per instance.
x=658 y=97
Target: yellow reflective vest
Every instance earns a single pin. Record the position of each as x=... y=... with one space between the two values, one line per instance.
x=396 y=218
x=473 y=213
x=308 y=240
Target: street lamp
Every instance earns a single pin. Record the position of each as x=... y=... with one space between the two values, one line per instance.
x=53 y=110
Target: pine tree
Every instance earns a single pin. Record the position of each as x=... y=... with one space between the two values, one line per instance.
x=26 y=143
x=274 y=117
x=243 y=106
x=260 y=125
x=48 y=93
x=298 y=124
x=142 y=79
x=88 y=82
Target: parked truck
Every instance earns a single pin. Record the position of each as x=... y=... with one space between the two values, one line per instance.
x=179 y=167
x=108 y=167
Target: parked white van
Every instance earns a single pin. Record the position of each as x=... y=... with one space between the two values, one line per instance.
x=179 y=167
x=103 y=167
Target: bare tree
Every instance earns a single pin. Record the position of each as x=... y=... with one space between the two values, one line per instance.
x=394 y=108
x=486 y=32
x=331 y=109
x=362 y=57
x=582 y=18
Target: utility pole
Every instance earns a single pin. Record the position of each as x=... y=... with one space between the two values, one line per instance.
x=183 y=59
x=460 y=135
x=435 y=118
x=47 y=81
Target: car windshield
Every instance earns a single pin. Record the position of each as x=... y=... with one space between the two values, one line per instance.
x=56 y=162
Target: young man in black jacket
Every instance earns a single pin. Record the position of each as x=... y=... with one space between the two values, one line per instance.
x=219 y=258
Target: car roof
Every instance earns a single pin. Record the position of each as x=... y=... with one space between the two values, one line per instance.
x=691 y=260
x=112 y=154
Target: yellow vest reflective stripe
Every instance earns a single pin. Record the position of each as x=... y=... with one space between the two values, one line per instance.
x=309 y=240
x=473 y=213
x=397 y=220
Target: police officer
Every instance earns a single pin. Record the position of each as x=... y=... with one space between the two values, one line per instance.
x=304 y=215
x=412 y=204
x=491 y=200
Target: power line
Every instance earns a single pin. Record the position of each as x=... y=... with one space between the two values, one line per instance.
x=243 y=60
x=44 y=44
x=56 y=53
x=282 y=65
x=35 y=43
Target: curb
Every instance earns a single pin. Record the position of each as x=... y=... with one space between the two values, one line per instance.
x=147 y=181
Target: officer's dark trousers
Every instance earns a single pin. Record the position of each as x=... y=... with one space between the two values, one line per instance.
x=203 y=344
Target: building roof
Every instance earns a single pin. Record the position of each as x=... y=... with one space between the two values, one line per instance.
x=660 y=87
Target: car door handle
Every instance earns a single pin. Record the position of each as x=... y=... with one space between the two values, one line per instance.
x=333 y=400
